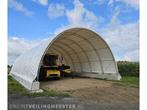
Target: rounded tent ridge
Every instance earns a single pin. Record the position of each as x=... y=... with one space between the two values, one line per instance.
x=82 y=49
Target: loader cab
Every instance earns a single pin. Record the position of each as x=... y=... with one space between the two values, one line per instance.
x=53 y=67
x=49 y=68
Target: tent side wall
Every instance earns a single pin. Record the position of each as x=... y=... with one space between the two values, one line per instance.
x=25 y=68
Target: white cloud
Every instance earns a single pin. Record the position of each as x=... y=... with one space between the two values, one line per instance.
x=123 y=39
x=132 y=56
x=56 y=10
x=110 y=2
x=80 y=16
x=17 y=46
x=19 y=7
x=132 y=3
x=41 y=2
x=114 y=20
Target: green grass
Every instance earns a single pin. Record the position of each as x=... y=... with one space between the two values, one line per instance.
x=126 y=81
x=49 y=93
x=15 y=88
x=130 y=80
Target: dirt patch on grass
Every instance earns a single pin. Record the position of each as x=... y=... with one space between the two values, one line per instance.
x=108 y=94
x=94 y=89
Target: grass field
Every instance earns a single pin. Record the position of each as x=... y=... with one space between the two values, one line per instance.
x=130 y=81
x=15 y=88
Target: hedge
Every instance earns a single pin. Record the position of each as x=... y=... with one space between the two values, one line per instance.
x=127 y=68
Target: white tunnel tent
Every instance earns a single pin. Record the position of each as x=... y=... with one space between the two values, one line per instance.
x=82 y=49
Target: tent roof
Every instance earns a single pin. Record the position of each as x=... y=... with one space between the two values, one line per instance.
x=84 y=50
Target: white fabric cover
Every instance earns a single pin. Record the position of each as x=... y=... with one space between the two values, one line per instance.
x=84 y=50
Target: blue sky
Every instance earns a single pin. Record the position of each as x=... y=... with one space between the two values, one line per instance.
x=31 y=21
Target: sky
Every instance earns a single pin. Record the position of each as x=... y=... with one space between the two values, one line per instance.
x=30 y=22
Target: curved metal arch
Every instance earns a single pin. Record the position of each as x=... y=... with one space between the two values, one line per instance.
x=89 y=63
x=77 y=35
x=67 y=53
x=73 y=51
x=116 y=67
x=81 y=28
x=77 y=41
x=57 y=51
